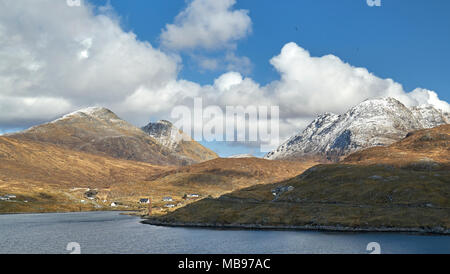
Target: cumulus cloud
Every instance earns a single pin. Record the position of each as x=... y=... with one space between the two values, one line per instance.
x=207 y=24
x=55 y=59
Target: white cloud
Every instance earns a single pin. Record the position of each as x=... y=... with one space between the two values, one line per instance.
x=67 y=57
x=55 y=59
x=309 y=86
x=207 y=24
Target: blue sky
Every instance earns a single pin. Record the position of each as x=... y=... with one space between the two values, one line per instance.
x=299 y=55
x=406 y=40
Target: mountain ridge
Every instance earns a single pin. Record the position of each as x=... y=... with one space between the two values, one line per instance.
x=98 y=130
x=373 y=122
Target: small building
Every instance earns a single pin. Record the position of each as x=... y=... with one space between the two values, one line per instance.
x=10 y=196
x=4 y=198
x=169 y=205
x=113 y=204
x=167 y=199
x=144 y=201
x=192 y=196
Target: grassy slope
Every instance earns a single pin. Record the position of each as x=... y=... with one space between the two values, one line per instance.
x=224 y=175
x=400 y=186
x=52 y=178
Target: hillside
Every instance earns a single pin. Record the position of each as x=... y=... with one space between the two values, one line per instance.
x=49 y=178
x=374 y=122
x=224 y=175
x=52 y=178
x=367 y=193
x=98 y=130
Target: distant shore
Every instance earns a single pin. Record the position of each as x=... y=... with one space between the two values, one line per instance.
x=125 y=212
x=437 y=230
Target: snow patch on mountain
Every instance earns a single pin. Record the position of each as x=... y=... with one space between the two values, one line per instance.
x=374 y=122
x=166 y=134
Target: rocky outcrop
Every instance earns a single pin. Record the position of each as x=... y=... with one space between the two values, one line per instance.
x=374 y=122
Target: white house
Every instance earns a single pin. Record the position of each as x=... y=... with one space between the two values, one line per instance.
x=167 y=199
x=169 y=205
x=113 y=204
x=144 y=201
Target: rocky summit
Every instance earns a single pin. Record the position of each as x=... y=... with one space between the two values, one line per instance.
x=374 y=122
x=178 y=142
x=98 y=130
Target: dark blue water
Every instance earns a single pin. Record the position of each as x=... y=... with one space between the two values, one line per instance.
x=109 y=232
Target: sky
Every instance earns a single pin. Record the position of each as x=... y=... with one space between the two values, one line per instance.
x=142 y=58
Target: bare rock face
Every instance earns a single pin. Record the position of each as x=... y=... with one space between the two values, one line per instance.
x=181 y=144
x=98 y=130
x=430 y=117
x=374 y=122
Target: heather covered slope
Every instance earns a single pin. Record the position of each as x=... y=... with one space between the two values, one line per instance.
x=49 y=178
x=53 y=178
x=370 y=193
x=223 y=175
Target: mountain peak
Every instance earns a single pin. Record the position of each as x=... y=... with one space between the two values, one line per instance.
x=165 y=122
x=96 y=112
x=373 y=122
x=165 y=133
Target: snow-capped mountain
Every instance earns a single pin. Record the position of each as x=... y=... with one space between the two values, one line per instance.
x=374 y=122
x=166 y=133
x=174 y=139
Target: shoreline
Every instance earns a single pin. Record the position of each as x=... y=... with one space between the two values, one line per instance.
x=62 y=212
x=428 y=231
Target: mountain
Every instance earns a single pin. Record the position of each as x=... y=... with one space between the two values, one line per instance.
x=98 y=130
x=223 y=175
x=403 y=187
x=374 y=122
x=181 y=144
x=50 y=178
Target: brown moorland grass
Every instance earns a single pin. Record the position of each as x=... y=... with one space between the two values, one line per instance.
x=402 y=186
x=57 y=177
x=52 y=178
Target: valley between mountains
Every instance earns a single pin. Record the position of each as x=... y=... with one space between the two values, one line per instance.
x=381 y=166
